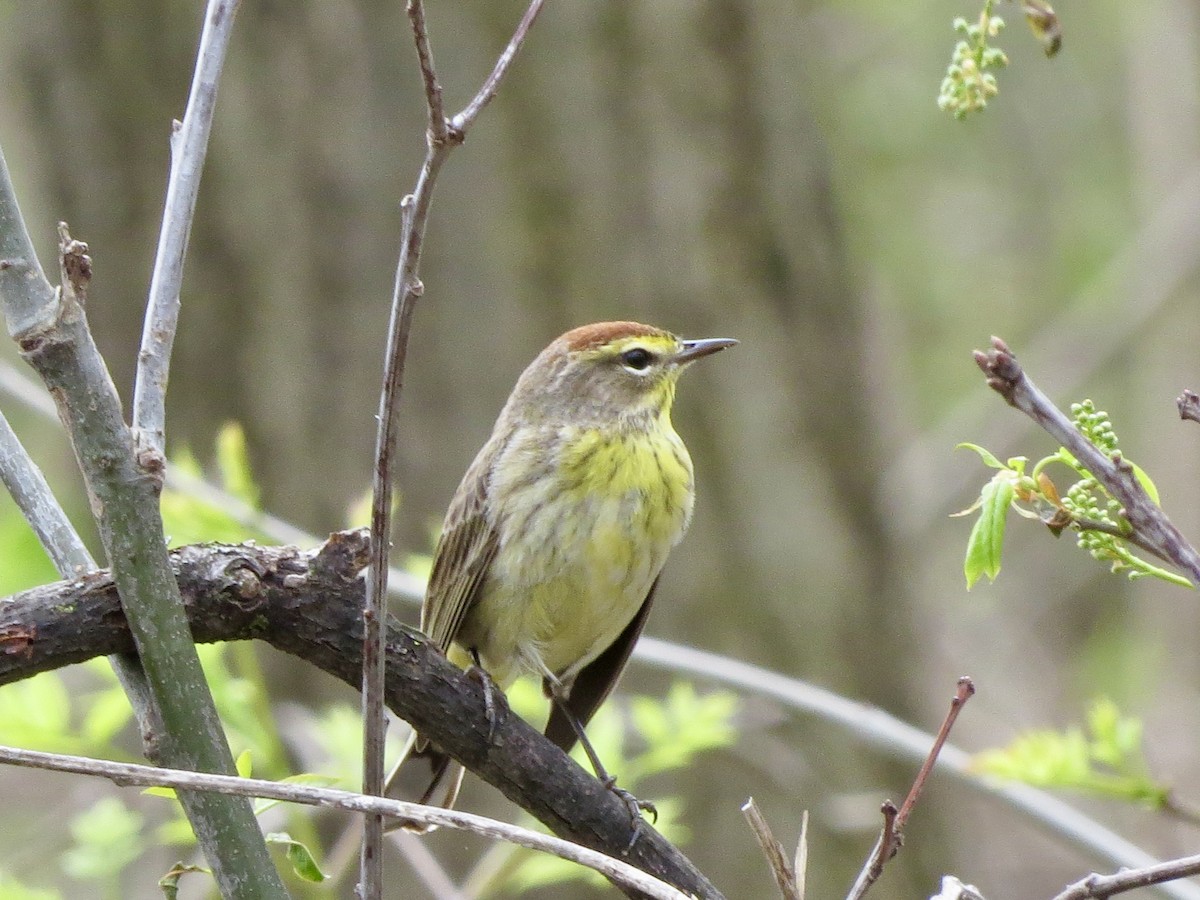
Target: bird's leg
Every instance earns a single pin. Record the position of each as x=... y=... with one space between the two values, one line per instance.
x=482 y=675
x=632 y=803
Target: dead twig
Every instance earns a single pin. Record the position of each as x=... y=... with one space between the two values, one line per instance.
x=891 y=837
x=786 y=879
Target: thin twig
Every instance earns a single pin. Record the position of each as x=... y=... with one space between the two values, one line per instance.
x=1006 y=376
x=407 y=289
x=1100 y=886
x=964 y=692
x=800 y=865
x=189 y=145
x=886 y=846
x=1083 y=523
x=479 y=102
x=1188 y=404
x=891 y=836
x=433 y=88
x=28 y=487
x=781 y=869
x=127 y=774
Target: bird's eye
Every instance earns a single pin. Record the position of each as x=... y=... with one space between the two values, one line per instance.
x=636 y=358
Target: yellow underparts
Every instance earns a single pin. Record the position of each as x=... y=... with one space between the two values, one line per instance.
x=579 y=550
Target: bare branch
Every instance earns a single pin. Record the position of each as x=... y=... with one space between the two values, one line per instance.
x=124 y=774
x=51 y=329
x=28 y=298
x=1154 y=529
x=189 y=145
x=479 y=102
x=123 y=484
x=28 y=487
x=891 y=837
x=964 y=692
x=1099 y=886
x=407 y=289
x=800 y=865
x=1188 y=404
x=781 y=869
x=433 y=89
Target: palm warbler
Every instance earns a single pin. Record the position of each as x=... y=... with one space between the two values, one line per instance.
x=553 y=543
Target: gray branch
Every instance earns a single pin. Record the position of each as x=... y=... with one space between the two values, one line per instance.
x=50 y=327
x=123 y=774
x=1099 y=886
x=189 y=145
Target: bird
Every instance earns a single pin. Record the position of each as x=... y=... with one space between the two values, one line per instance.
x=552 y=546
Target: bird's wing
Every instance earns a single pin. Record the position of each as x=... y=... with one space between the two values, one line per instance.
x=596 y=680
x=461 y=561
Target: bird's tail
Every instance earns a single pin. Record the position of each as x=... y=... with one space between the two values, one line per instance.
x=425 y=772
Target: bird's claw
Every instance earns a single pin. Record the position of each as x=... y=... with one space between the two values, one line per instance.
x=635 y=807
x=490 y=709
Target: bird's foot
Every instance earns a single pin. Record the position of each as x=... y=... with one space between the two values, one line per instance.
x=635 y=807
x=490 y=708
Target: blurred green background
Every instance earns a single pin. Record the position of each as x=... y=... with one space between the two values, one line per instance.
x=773 y=171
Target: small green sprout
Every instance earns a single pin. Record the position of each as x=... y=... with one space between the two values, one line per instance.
x=970 y=80
x=1107 y=758
x=968 y=83
x=1087 y=508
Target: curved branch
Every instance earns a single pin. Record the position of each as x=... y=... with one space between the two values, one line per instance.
x=308 y=604
x=1100 y=886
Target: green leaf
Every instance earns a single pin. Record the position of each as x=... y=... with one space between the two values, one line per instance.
x=986 y=455
x=36 y=713
x=1145 y=481
x=986 y=543
x=175 y=833
x=233 y=462
x=299 y=856
x=1116 y=739
x=25 y=562
x=107 y=839
x=1109 y=761
x=189 y=520
x=108 y=711
x=244 y=765
x=11 y=889
x=170 y=882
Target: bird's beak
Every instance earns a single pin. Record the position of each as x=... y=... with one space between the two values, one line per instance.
x=695 y=349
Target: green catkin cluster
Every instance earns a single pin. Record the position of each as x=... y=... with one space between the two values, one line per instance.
x=968 y=84
x=1086 y=499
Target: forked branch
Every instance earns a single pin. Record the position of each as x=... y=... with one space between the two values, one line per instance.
x=407 y=288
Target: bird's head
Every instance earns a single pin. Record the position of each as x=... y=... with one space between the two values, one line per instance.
x=611 y=371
